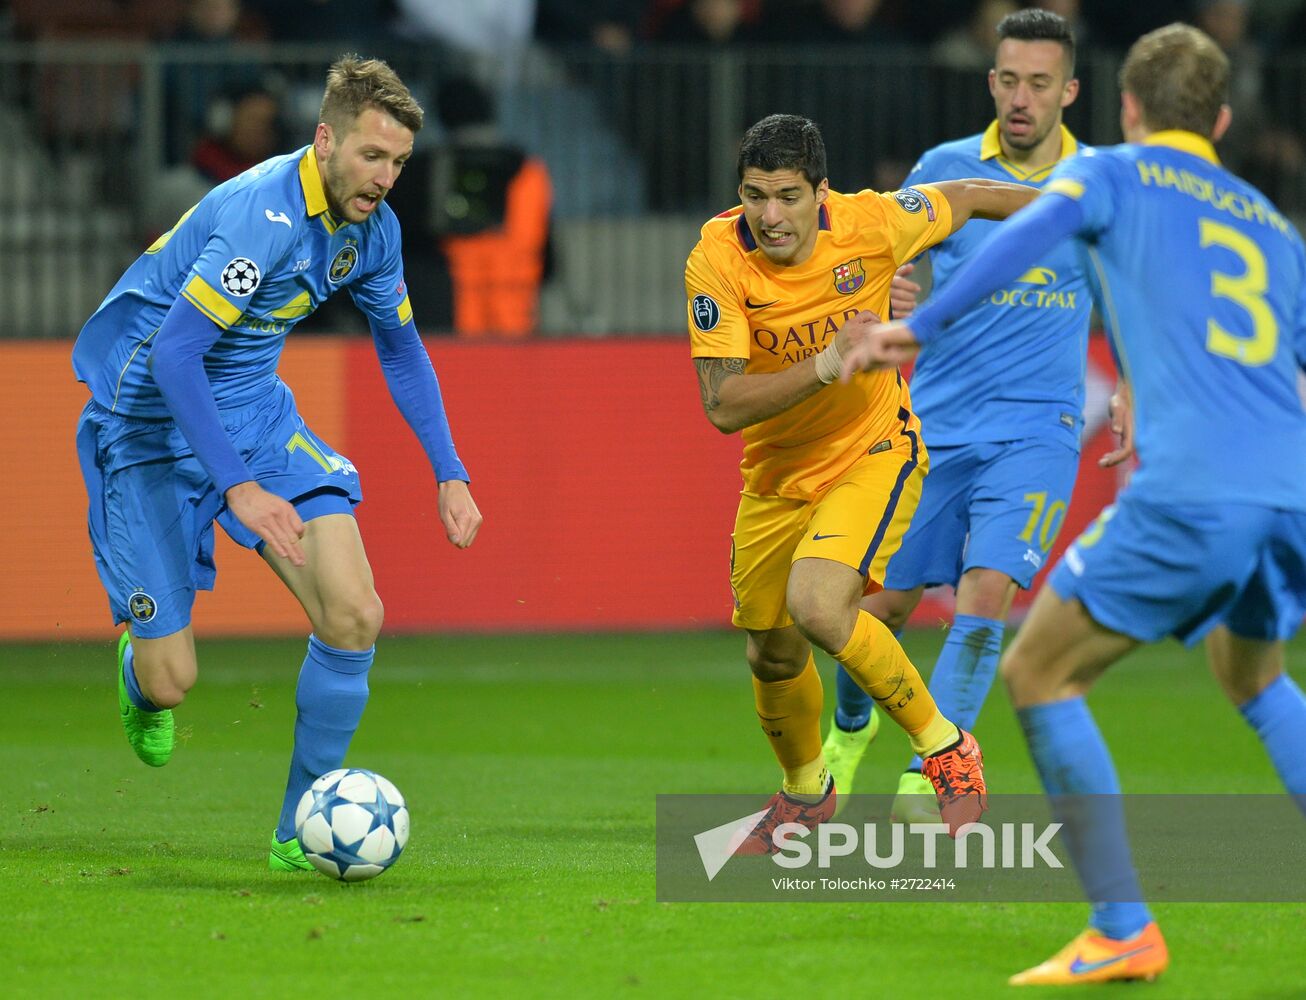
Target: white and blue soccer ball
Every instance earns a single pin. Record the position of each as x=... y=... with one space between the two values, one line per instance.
x=352 y=824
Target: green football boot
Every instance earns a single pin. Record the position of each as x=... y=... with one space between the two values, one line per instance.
x=288 y=856
x=843 y=752
x=151 y=734
x=915 y=801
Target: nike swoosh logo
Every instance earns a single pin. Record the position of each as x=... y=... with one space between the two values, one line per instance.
x=818 y=537
x=279 y=217
x=759 y=305
x=1079 y=968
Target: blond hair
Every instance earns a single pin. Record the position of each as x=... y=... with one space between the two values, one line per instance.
x=1180 y=77
x=354 y=84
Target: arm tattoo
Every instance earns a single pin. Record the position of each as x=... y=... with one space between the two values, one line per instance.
x=711 y=373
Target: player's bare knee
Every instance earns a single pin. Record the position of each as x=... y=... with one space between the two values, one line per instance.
x=894 y=615
x=986 y=593
x=775 y=661
x=769 y=669
x=351 y=623
x=1017 y=672
x=820 y=623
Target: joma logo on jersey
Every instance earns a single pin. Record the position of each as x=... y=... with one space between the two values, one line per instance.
x=802 y=341
x=849 y=276
x=342 y=264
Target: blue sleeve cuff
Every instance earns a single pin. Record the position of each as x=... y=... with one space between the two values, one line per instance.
x=177 y=364
x=416 y=392
x=1015 y=246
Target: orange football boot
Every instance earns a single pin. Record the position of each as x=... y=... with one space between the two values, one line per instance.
x=1093 y=958
x=957 y=775
x=783 y=809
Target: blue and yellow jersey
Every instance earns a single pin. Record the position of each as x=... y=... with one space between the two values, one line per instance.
x=740 y=305
x=256 y=255
x=1202 y=284
x=1013 y=367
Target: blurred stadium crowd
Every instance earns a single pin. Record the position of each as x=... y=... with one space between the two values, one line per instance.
x=121 y=113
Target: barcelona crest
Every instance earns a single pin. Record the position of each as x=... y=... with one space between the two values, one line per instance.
x=849 y=276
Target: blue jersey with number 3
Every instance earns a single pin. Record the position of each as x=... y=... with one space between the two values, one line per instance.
x=1202 y=284
x=256 y=255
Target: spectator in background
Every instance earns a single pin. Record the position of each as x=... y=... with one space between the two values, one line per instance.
x=243 y=130
x=482 y=27
x=1255 y=146
x=827 y=22
x=477 y=209
x=190 y=86
x=354 y=22
x=705 y=22
x=969 y=46
x=610 y=26
x=1071 y=11
x=845 y=90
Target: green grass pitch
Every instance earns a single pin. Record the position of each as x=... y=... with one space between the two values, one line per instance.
x=531 y=764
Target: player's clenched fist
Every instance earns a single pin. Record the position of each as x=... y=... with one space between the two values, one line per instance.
x=459 y=513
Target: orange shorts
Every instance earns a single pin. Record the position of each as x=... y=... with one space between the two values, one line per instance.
x=858 y=521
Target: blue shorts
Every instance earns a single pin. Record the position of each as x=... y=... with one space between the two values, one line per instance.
x=993 y=505
x=1149 y=570
x=152 y=505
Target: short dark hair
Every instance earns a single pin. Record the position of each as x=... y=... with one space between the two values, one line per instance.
x=1036 y=25
x=353 y=85
x=1180 y=77
x=784 y=142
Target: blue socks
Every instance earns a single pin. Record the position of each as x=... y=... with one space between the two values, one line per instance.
x=1278 y=714
x=330 y=698
x=1077 y=771
x=965 y=670
x=134 y=694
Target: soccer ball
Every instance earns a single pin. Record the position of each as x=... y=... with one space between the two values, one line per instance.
x=352 y=824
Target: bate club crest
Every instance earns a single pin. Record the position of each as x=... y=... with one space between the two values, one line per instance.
x=849 y=276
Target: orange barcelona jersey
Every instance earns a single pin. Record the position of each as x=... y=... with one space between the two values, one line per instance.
x=743 y=306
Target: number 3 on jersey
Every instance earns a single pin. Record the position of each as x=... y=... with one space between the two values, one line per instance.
x=1246 y=290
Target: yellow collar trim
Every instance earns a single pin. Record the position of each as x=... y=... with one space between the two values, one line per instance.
x=991 y=146
x=1185 y=142
x=310 y=177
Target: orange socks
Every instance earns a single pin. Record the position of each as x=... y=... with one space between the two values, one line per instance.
x=875 y=660
x=790 y=713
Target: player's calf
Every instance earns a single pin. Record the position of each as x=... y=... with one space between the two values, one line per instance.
x=149 y=728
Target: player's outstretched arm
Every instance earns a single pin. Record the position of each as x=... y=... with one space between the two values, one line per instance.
x=1010 y=251
x=878 y=345
x=733 y=399
x=416 y=392
x=977 y=198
